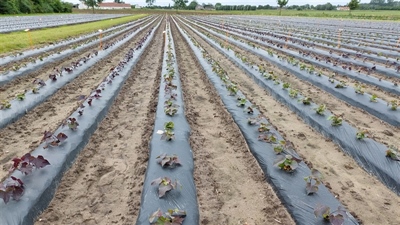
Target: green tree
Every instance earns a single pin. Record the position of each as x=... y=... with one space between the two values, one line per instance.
x=217 y=5
x=92 y=3
x=192 y=5
x=150 y=2
x=179 y=4
x=281 y=4
x=353 y=4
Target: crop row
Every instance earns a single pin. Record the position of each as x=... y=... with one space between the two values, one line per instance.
x=59 y=149
x=15 y=23
x=367 y=152
x=282 y=166
x=14 y=109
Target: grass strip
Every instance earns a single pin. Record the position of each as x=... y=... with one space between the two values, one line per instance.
x=20 y=40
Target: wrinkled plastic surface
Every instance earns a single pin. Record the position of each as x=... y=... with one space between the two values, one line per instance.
x=368 y=153
x=31 y=52
x=290 y=187
x=185 y=198
x=31 y=67
x=378 y=109
x=385 y=85
x=19 y=108
x=41 y=185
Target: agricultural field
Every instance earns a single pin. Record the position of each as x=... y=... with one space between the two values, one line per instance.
x=183 y=119
x=15 y=23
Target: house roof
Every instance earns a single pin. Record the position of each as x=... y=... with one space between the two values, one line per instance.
x=113 y=4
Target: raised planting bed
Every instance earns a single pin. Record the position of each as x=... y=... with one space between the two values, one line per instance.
x=170 y=152
x=369 y=153
x=287 y=177
x=32 y=52
x=39 y=186
x=61 y=77
x=42 y=61
x=352 y=95
x=385 y=85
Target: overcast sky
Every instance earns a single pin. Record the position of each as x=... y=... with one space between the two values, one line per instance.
x=238 y=2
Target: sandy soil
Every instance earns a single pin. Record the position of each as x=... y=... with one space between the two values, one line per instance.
x=364 y=195
x=222 y=160
x=25 y=134
x=380 y=130
x=104 y=184
x=22 y=83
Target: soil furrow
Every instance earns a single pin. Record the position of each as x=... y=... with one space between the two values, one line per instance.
x=229 y=190
x=25 y=134
x=379 y=130
x=386 y=96
x=18 y=85
x=104 y=185
x=363 y=194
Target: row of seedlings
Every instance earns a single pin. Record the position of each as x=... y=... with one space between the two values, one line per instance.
x=170 y=156
x=366 y=151
x=11 y=111
x=283 y=168
x=33 y=190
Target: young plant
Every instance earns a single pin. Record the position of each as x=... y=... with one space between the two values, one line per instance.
x=286 y=162
x=393 y=104
x=373 y=98
x=52 y=140
x=172 y=217
x=263 y=127
x=293 y=93
x=286 y=85
x=12 y=188
x=233 y=89
x=249 y=110
x=5 y=105
x=336 y=120
x=27 y=163
x=306 y=100
x=361 y=134
x=165 y=184
x=335 y=218
x=313 y=181
x=341 y=84
x=171 y=110
x=169 y=125
x=241 y=102
x=267 y=137
x=321 y=109
x=170 y=161
x=20 y=96
x=358 y=88
x=254 y=120
x=280 y=147
x=393 y=153
x=72 y=123
x=167 y=134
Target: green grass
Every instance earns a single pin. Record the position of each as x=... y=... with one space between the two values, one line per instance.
x=17 y=41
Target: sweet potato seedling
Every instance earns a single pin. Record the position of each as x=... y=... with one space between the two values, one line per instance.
x=335 y=218
x=373 y=98
x=393 y=153
x=12 y=188
x=293 y=93
x=361 y=134
x=336 y=120
x=53 y=140
x=172 y=217
x=288 y=163
x=306 y=100
x=20 y=96
x=313 y=181
x=170 y=161
x=393 y=104
x=241 y=102
x=165 y=184
x=5 y=105
x=358 y=88
x=27 y=163
x=321 y=109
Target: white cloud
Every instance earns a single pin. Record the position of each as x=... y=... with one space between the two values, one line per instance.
x=238 y=2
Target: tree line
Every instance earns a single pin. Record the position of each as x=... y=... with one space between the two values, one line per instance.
x=34 y=6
